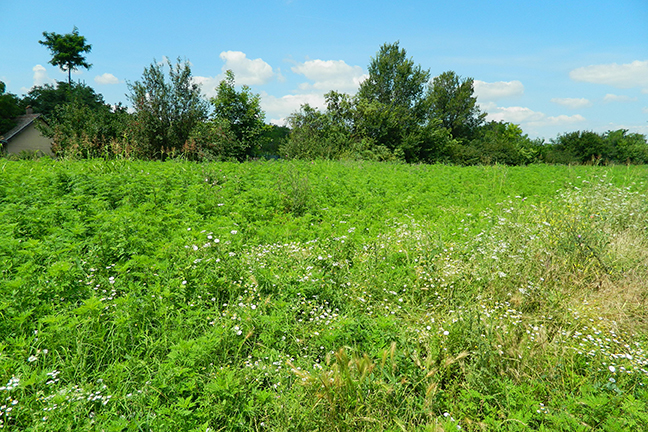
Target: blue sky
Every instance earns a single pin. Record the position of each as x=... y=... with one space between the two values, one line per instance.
x=549 y=66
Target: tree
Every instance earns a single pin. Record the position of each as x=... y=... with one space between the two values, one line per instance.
x=9 y=109
x=389 y=105
x=166 y=110
x=67 y=50
x=82 y=130
x=583 y=146
x=44 y=99
x=499 y=143
x=450 y=99
x=394 y=80
x=242 y=110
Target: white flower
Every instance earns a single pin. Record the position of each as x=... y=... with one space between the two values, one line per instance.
x=32 y=359
x=612 y=369
x=234 y=232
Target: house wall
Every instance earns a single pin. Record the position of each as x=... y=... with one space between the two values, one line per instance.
x=30 y=139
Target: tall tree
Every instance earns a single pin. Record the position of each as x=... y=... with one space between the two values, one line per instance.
x=389 y=103
x=394 y=79
x=44 y=99
x=242 y=110
x=451 y=101
x=67 y=50
x=166 y=110
x=9 y=109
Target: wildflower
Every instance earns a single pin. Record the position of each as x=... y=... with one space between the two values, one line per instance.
x=612 y=369
x=32 y=359
x=234 y=232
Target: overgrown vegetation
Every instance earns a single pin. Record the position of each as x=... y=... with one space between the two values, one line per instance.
x=400 y=113
x=322 y=296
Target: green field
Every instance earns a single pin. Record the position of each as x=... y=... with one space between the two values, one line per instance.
x=155 y=296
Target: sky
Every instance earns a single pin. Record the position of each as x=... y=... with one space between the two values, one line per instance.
x=551 y=67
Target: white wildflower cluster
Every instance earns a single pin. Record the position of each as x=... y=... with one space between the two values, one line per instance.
x=70 y=397
x=9 y=403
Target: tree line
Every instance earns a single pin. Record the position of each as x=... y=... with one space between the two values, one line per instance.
x=400 y=113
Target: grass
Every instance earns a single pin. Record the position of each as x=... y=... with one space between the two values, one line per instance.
x=141 y=296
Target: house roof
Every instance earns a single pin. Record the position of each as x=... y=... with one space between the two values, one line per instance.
x=23 y=121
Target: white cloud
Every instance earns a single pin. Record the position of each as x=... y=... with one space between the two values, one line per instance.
x=106 y=78
x=573 y=103
x=559 y=120
x=645 y=110
x=497 y=90
x=208 y=84
x=618 y=98
x=528 y=117
x=330 y=75
x=627 y=75
x=277 y=109
x=247 y=71
x=515 y=115
x=41 y=77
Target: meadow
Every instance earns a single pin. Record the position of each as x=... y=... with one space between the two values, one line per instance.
x=322 y=296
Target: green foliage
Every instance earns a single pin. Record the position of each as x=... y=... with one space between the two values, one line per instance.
x=591 y=147
x=390 y=102
x=499 y=143
x=450 y=99
x=272 y=139
x=67 y=50
x=166 y=110
x=321 y=296
x=628 y=147
x=45 y=99
x=242 y=110
x=394 y=80
x=212 y=140
x=82 y=131
x=316 y=135
x=9 y=109
x=394 y=116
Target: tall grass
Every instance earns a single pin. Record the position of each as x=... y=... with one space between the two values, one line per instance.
x=177 y=296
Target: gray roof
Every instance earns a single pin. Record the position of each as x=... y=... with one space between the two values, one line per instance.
x=23 y=121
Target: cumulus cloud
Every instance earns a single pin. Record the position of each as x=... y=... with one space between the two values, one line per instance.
x=573 y=103
x=106 y=78
x=208 y=84
x=247 y=71
x=515 y=115
x=41 y=77
x=523 y=115
x=277 y=109
x=558 y=120
x=330 y=75
x=618 y=98
x=497 y=90
x=626 y=75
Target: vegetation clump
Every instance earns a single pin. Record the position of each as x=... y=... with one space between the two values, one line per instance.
x=322 y=296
